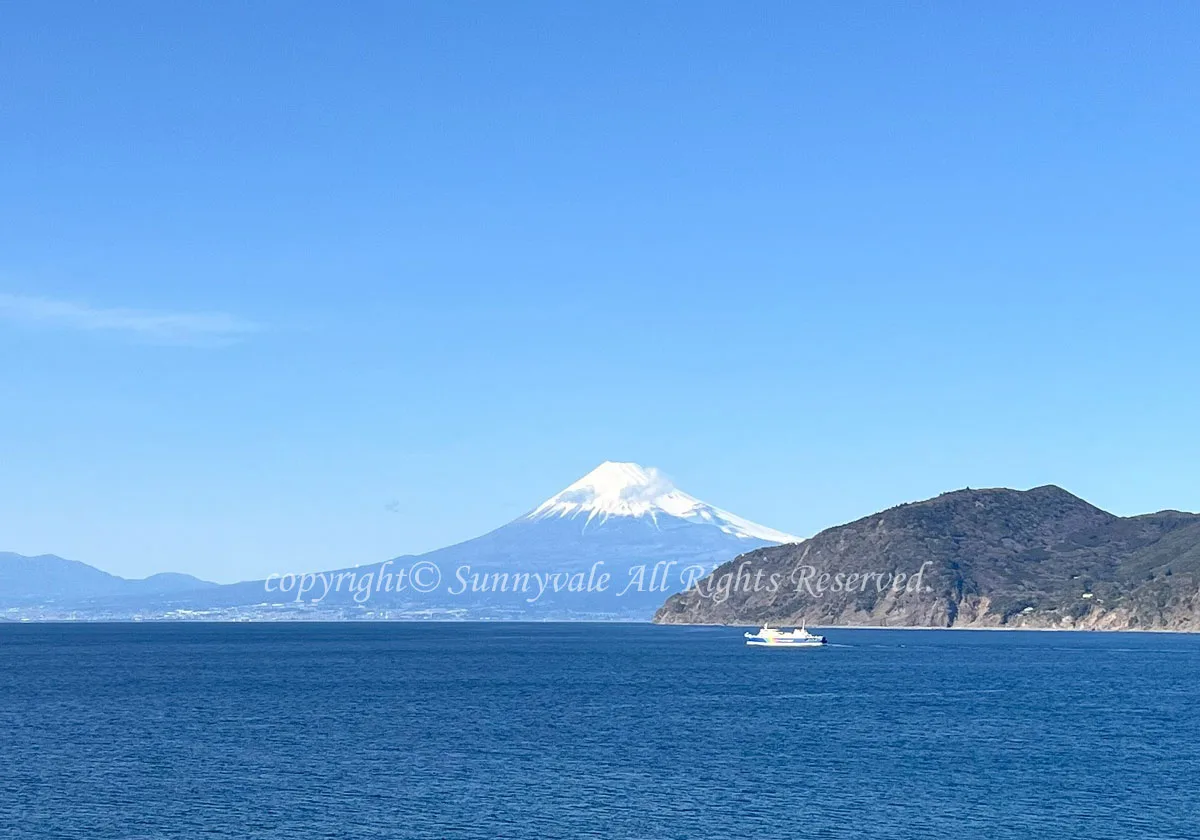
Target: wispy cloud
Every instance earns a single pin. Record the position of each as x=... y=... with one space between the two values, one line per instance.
x=198 y=328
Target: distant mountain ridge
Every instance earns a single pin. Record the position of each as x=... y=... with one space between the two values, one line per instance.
x=48 y=578
x=620 y=515
x=1041 y=558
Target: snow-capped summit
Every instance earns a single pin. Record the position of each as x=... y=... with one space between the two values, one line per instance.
x=616 y=489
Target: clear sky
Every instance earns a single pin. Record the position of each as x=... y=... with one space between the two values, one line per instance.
x=298 y=285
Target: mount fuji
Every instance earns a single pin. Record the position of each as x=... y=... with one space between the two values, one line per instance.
x=618 y=519
x=622 y=516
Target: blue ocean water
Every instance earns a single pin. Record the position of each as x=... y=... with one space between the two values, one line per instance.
x=601 y=731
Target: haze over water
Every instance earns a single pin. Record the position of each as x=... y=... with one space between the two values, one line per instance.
x=434 y=731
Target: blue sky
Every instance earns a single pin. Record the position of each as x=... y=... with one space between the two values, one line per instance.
x=295 y=286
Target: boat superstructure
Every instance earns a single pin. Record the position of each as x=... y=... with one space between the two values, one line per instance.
x=776 y=637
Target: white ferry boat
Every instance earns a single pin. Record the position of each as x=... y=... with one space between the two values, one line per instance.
x=771 y=637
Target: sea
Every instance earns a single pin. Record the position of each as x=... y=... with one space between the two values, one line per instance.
x=434 y=731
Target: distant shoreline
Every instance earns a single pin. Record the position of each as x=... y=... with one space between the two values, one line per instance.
x=823 y=627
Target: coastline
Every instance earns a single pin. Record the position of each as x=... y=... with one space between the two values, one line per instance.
x=621 y=622
x=961 y=628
